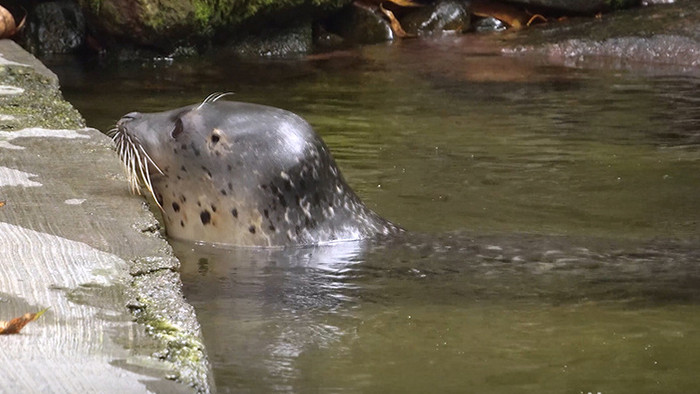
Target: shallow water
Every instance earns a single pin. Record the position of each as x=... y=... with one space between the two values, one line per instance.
x=552 y=213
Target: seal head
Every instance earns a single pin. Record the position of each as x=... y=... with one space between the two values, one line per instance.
x=242 y=174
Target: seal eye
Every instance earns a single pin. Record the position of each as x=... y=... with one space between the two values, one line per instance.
x=178 y=129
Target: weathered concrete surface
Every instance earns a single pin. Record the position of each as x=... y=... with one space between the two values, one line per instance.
x=72 y=239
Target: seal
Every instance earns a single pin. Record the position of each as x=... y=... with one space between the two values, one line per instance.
x=242 y=174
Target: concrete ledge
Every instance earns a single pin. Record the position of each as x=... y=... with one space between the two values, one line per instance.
x=74 y=240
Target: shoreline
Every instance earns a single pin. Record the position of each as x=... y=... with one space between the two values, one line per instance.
x=74 y=240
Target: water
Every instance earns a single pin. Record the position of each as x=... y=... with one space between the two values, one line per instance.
x=552 y=213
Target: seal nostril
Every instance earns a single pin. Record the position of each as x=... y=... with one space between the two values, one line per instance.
x=128 y=117
x=131 y=116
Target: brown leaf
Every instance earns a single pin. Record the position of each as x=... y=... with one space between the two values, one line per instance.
x=536 y=17
x=405 y=3
x=8 y=24
x=395 y=25
x=15 y=325
x=509 y=15
x=2 y=203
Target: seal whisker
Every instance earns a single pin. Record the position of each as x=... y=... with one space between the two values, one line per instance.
x=136 y=162
x=112 y=133
x=131 y=171
x=130 y=160
x=214 y=97
x=147 y=159
x=147 y=180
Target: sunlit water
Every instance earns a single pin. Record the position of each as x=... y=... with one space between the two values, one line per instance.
x=552 y=213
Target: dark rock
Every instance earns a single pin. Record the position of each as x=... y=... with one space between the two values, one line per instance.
x=439 y=17
x=489 y=24
x=325 y=40
x=279 y=43
x=580 y=6
x=360 y=24
x=54 y=27
x=657 y=38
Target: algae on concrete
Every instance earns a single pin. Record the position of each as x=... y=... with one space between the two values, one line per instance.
x=126 y=268
x=168 y=320
x=36 y=106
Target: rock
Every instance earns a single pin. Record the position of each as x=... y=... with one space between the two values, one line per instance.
x=54 y=27
x=325 y=40
x=664 y=37
x=360 y=24
x=489 y=24
x=168 y=24
x=439 y=17
x=279 y=43
x=165 y=24
x=580 y=6
x=626 y=52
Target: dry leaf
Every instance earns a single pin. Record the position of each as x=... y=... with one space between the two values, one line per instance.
x=2 y=204
x=15 y=325
x=536 y=17
x=511 y=16
x=405 y=3
x=395 y=25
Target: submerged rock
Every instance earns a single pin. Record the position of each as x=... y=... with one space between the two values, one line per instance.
x=580 y=6
x=654 y=37
x=439 y=17
x=625 y=52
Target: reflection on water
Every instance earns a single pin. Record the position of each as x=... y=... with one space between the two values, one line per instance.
x=451 y=313
x=582 y=187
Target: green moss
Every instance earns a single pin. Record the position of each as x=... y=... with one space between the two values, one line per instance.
x=232 y=13
x=179 y=346
x=203 y=12
x=94 y=5
x=622 y=4
x=168 y=320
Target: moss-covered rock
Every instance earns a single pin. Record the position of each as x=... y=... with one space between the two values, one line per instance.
x=168 y=24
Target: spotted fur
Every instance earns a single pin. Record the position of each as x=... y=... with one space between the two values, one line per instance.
x=242 y=174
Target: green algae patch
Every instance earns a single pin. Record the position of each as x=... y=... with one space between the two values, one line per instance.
x=158 y=304
x=36 y=102
x=622 y=4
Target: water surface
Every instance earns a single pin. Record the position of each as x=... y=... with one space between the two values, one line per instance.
x=552 y=213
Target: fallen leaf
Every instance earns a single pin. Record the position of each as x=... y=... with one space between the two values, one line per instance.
x=395 y=25
x=8 y=24
x=15 y=325
x=2 y=204
x=536 y=17
x=511 y=16
x=405 y=3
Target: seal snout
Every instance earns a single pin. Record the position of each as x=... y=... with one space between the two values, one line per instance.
x=128 y=118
